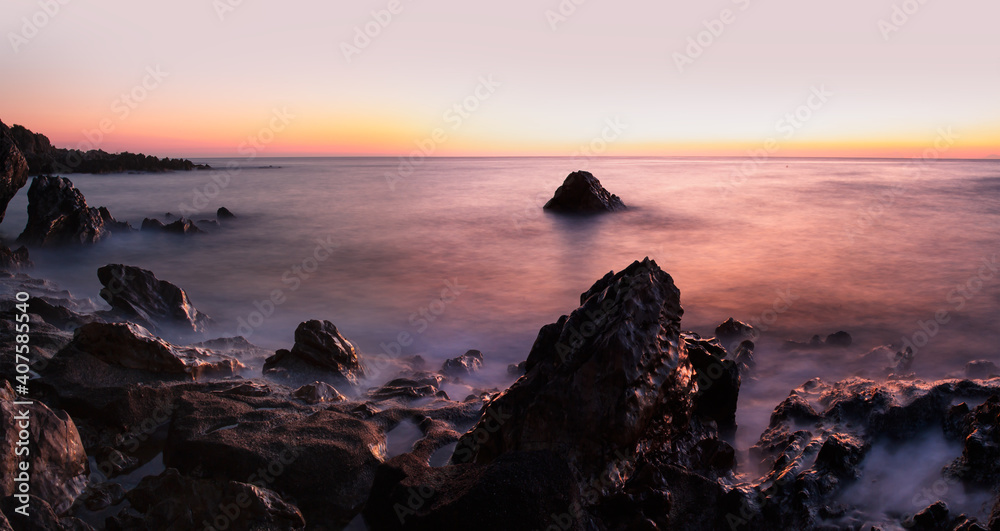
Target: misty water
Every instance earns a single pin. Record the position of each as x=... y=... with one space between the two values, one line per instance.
x=457 y=254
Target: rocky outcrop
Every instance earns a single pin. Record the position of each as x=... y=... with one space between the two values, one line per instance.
x=14 y=260
x=59 y=466
x=464 y=365
x=582 y=193
x=172 y=501
x=131 y=346
x=13 y=169
x=732 y=332
x=224 y=213
x=58 y=214
x=113 y=224
x=319 y=349
x=318 y=392
x=181 y=226
x=137 y=295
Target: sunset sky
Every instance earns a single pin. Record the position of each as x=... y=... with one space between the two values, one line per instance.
x=218 y=73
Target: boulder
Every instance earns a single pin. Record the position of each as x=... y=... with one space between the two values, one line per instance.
x=464 y=365
x=839 y=339
x=113 y=224
x=13 y=169
x=137 y=295
x=732 y=332
x=224 y=213
x=582 y=193
x=131 y=346
x=318 y=392
x=319 y=348
x=58 y=215
x=172 y=501
x=59 y=467
x=14 y=260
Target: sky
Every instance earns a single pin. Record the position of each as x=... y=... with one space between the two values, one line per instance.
x=198 y=78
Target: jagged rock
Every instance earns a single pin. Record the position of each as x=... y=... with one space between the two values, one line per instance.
x=408 y=389
x=14 y=260
x=323 y=459
x=318 y=392
x=933 y=518
x=58 y=214
x=59 y=467
x=464 y=365
x=224 y=213
x=131 y=346
x=13 y=169
x=113 y=224
x=979 y=431
x=981 y=369
x=319 y=347
x=744 y=356
x=41 y=517
x=172 y=501
x=157 y=304
x=732 y=332
x=100 y=496
x=181 y=226
x=582 y=193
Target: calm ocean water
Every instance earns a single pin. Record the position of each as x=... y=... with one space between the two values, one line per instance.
x=457 y=253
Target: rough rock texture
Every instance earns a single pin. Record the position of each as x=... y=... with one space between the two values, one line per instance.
x=464 y=365
x=14 y=260
x=113 y=224
x=156 y=304
x=58 y=215
x=582 y=193
x=172 y=501
x=41 y=517
x=131 y=346
x=319 y=348
x=732 y=332
x=13 y=169
x=615 y=412
x=59 y=466
x=318 y=392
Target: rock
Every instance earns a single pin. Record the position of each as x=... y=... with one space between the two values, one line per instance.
x=323 y=459
x=464 y=365
x=732 y=332
x=744 y=357
x=319 y=347
x=257 y=389
x=979 y=431
x=933 y=518
x=582 y=193
x=181 y=226
x=14 y=260
x=172 y=501
x=981 y=369
x=408 y=389
x=13 y=169
x=224 y=213
x=839 y=339
x=131 y=346
x=112 y=224
x=100 y=496
x=318 y=392
x=139 y=296
x=41 y=517
x=59 y=467
x=516 y=369
x=58 y=215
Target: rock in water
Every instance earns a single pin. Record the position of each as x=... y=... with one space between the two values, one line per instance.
x=319 y=347
x=463 y=365
x=59 y=466
x=13 y=169
x=58 y=214
x=181 y=226
x=224 y=213
x=13 y=260
x=582 y=193
x=138 y=295
x=732 y=332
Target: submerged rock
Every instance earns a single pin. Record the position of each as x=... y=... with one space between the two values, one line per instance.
x=582 y=193
x=464 y=365
x=58 y=214
x=113 y=224
x=181 y=226
x=13 y=169
x=138 y=295
x=224 y=213
x=319 y=348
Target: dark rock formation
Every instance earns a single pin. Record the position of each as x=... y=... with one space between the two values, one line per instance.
x=172 y=501
x=13 y=169
x=131 y=346
x=139 y=296
x=732 y=332
x=464 y=365
x=419 y=386
x=839 y=339
x=113 y=224
x=43 y=158
x=14 y=260
x=41 y=517
x=318 y=392
x=224 y=213
x=181 y=226
x=59 y=466
x=58 y=215
x=319 y=348
x=582 y=193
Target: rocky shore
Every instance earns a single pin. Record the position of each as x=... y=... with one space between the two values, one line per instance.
x=619 y=420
